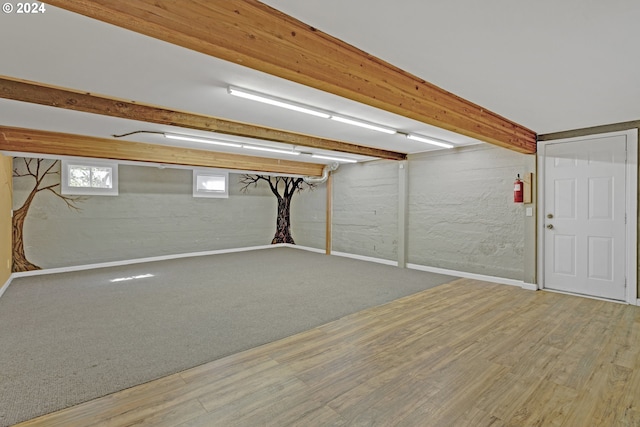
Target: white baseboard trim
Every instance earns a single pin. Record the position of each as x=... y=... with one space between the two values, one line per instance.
x=139 y=261
x=366 y=258
x=343 y=254
x=438 y=270
x=304 y=248
x=6 y=285
x=638 y=302
x=464 y=274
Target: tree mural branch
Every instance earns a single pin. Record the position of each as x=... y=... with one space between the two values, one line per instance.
x=43 y=174
x=289 y=186
x=69 y=200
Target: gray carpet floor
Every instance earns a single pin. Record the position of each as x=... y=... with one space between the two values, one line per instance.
x=67 y=338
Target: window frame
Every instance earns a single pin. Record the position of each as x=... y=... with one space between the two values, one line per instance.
x=66 y=189
x=211 y=173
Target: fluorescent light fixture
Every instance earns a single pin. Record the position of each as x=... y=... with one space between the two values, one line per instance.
x=272 y=150
x=278 y=102
x=228 y=144
x=363 y=124
x=430 y=141
x=337 y=159
x=126 y=279
x=202 y=140
x=254 y=96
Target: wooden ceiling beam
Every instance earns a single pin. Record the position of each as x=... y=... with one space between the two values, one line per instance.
x=255 y=35
x=63 y=144
x=71 y=99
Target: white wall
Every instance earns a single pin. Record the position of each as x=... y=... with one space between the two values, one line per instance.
x=461 y=211
x=154 y=214
x=308 y=217
x=365 y=209
x=461 y=214
x=460 y=217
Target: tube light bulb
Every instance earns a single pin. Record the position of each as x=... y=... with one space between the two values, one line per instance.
x=430 y=141
x=254 y=96
x=272 y=150
x=202 y=140
x=337 y=159
x=365 y=125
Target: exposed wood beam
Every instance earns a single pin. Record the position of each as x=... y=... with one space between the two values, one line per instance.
x=71 y=99
x=255 y=35
x=64 y=144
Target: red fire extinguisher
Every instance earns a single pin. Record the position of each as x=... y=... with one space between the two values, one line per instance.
x=518 y=190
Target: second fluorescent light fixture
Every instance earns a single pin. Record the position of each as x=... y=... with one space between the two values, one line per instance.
x=430 y=141
x=337 y=159
x=364 y=124
x=271 y=150
x=283 y=103
x=202 y=140
x=229 y=144
x=254 y=96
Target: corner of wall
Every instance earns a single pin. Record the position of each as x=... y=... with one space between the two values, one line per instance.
x=6 y=205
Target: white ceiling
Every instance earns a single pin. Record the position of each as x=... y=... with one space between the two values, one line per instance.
x=547 y=65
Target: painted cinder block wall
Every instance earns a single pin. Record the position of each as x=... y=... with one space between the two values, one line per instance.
x=461 y=211
x=5 y=218
x=365 y=209
x=461 y=214
x=155 y=214
x=308 y=217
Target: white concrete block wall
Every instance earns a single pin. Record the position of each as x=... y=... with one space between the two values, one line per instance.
x=155 y=214
x=365 y=209
x=461 y=211
x=461 y=215
x=308 y=217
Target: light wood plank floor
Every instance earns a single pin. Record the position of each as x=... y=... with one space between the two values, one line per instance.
x=467 y=353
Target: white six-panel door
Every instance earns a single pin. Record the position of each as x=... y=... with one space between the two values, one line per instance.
x=585 y=247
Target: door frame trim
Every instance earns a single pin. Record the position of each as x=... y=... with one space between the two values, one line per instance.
x=631 y=203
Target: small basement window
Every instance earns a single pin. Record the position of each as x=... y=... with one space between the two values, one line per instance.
x=89 y=177
x=210 y=183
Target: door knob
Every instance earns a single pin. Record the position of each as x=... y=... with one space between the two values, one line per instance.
x=550 y=226
x=549 y=216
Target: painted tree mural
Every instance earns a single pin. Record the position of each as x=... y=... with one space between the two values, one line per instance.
x=46 y=177
x=283 y=188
